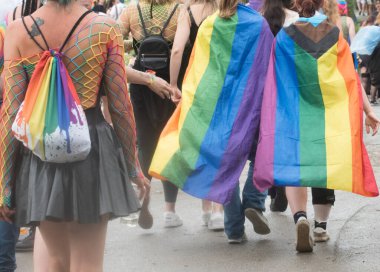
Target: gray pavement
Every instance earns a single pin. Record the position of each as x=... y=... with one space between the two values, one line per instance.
x=354 y=245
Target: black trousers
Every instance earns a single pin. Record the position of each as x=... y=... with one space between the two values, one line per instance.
x=320 y=196
x=151 y=115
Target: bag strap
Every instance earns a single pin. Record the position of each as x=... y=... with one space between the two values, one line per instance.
x=43 y=36
x=14 y=13
x=73 y=28
x=168 y=20
x=142 y=20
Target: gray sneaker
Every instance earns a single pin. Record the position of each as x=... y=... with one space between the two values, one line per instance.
x=258 y=220
x=304 y=241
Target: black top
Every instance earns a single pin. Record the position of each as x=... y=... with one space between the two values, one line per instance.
x=193 y=28
x=99 y=8
x=189 y=47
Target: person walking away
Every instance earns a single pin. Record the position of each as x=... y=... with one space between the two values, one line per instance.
x=153 y=26
x=76 y=236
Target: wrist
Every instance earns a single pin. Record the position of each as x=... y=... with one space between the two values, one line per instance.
x=151 y=78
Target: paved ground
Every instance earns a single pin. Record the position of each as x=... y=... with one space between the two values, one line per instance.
x=354 y=245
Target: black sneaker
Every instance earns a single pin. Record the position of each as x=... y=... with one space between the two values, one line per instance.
x=26 y=244
x=279 y=203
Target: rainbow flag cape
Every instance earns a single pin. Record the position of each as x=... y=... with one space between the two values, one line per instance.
x=311 y=132
x=51 y=121
x=206 y=143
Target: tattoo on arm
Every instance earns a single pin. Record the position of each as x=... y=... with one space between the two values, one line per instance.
x=35 y=30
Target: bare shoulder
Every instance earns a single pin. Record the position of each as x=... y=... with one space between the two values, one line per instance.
x=107 y=21
x=15 y=30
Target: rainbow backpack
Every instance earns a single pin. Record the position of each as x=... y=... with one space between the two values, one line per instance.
x=51 y=121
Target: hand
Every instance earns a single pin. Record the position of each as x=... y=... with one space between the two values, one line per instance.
x=371 y=121
x=160 y=87
x=143 y=184
x=5 y=214
x=177 y=95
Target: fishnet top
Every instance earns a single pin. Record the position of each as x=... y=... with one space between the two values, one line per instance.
x=130 y=21
x=94 y=58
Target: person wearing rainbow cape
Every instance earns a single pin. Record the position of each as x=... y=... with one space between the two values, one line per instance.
x=213 y=131
x=311 y=132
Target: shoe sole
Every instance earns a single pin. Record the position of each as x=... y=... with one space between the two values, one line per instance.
x=260 y=226
x=172 y=226
x=216 y=228
x=304 y=241
x=320 y=238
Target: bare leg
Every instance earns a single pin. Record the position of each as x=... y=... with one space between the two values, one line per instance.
x=40 y=254
x=170 y=207
x=217 y=208
x=297 y=198
x=56 y=239
x=206 y=206
x=87 y=243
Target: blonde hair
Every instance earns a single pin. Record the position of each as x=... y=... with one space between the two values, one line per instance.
x=227 y=8
x=330 y=8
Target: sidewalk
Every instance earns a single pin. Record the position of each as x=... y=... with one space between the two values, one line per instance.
x=354 y=244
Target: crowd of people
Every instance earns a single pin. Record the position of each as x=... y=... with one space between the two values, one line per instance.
x=132 y=66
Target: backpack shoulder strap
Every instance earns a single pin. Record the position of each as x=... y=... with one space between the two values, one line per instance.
x=32 y=37
x=73 y=28
x=142 y=20
x=14 y=13
x=168 y=20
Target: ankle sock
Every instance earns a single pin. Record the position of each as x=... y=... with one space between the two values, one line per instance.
x=298 y=215
x=322 y=225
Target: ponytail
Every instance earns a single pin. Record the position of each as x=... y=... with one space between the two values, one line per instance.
x=273 y=12
x=307 y=8
x=227 y=8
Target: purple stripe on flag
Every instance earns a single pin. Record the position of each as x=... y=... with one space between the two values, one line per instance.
x=244 y=129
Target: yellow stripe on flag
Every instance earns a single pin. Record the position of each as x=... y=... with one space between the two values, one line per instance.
x=337 y=122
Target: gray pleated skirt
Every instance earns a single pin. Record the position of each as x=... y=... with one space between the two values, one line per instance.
x=81 y=191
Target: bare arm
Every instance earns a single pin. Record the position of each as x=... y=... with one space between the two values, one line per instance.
x=371 y=120
x=14 y=93
x=181 y=37
x=351 y=29
x=120 y=107
x=156 y=84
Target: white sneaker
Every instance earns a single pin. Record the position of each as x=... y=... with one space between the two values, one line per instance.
x=216 y=222
x=320 y=235
x=172 y=220
x=206 y=218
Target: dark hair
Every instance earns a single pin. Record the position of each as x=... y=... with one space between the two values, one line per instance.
x=307 y=8
x=28 y=7
x=273 y=12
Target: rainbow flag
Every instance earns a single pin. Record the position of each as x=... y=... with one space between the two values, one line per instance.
x=2 y=34
x=51 y=121
x=311 y=132
x=206 y=143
